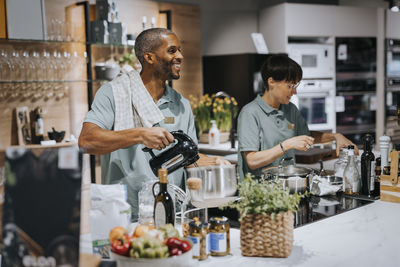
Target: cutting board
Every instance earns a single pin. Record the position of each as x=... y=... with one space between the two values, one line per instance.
x=313 y=155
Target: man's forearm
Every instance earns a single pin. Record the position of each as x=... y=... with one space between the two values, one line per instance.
x=95 y=140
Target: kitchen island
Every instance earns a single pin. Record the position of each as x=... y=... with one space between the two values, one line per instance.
x=366 y=236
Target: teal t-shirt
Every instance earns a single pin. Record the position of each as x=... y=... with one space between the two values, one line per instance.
x=261 y=127
x=130 y=165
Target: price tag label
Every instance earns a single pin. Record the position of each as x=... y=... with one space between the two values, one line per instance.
x=68 y=158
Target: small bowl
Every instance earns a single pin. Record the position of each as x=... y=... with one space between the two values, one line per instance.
x=57 y=136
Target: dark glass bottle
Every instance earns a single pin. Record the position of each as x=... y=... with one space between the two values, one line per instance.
x=377 y=187
x=367 y=168
x=164 y=208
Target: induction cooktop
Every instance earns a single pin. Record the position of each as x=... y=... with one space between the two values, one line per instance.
x=311 y=209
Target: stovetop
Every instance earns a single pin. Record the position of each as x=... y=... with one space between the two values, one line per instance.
x=311 y=209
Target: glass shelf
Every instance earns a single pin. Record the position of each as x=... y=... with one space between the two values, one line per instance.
x=3 y=40
x=111 y=45
x=53 y=81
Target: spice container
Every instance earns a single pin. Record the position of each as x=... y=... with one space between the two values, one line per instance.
x=219 y=236
x=198 y=234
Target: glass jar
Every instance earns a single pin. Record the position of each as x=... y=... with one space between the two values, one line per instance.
x=219 y=236
x=198 y=234
x=341 y=164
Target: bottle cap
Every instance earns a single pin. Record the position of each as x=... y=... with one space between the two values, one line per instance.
x=162 y=175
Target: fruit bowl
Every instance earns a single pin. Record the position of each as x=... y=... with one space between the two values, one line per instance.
x=182 y=260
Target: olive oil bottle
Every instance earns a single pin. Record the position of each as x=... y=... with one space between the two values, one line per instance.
x=164 y=208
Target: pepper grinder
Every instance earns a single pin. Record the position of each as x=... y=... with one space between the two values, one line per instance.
x=384 y=142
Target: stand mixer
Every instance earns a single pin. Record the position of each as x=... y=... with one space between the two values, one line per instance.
x=182 y=154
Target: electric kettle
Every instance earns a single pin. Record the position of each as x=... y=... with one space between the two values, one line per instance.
x=181 y=154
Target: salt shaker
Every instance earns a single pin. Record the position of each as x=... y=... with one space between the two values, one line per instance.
x=384 y=142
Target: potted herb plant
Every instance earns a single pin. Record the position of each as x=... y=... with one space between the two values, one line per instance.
x=267 y=220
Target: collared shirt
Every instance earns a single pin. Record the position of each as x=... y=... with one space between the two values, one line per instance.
x=131 y=165
x=261 y=127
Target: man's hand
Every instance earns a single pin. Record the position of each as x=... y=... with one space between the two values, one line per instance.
x=209 y=161
x=342 y=141
x=156 y=137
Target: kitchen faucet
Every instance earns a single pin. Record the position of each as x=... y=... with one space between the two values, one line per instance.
x=222 y=94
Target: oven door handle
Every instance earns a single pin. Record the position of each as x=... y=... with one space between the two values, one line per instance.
x=356 y=93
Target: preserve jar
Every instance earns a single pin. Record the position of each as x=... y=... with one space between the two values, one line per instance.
x=219 y=236
x=198 y=234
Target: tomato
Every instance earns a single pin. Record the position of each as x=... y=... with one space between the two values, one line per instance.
x=174 y=242
x=116 y=232
x=175 y=251
x=185 y=246
x=121 y=245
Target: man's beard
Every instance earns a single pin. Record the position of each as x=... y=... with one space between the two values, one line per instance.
x=164 y=69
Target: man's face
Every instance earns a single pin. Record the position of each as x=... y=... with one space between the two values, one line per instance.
x=169 y=58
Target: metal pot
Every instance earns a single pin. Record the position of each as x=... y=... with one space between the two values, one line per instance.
x=217 y=181
x=291 y=176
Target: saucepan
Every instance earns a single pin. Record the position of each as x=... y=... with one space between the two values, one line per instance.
x=291 y=176
x=218 y=181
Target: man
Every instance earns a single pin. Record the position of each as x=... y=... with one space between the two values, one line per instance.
x=159 y=52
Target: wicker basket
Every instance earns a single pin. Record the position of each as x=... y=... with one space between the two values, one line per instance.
x=260 y=236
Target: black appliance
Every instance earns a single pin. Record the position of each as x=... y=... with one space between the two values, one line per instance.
x=392 y=88
x=238 y=75
x=181 y=154
x=356 y=84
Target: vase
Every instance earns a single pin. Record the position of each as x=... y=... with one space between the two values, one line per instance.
x=262 y=236
x=223 y=138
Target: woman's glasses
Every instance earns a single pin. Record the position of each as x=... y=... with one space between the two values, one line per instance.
x=292 y=86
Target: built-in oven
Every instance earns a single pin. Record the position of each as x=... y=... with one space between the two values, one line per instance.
x=316 y=60
x=355 y=54
x=316 y=101
x=356 y=105
x=392 y=87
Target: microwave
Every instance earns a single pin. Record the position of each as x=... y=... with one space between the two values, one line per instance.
x=315 y=100
x=316 y=60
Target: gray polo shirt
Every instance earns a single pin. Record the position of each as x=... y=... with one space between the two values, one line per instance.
x=130 y=165
x=261 y=127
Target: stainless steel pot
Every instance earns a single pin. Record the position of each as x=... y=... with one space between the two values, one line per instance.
x=291 y=176
x=217 y=181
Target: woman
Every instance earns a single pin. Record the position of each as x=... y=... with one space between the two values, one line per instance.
x=271 y=127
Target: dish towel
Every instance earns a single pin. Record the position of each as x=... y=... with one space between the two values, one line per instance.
x=134 y=106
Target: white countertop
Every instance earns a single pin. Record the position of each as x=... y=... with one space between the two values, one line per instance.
x=368 y=236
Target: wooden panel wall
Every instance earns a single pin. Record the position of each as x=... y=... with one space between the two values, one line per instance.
x=185 y=21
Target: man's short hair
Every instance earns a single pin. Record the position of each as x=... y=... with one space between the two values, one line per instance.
x=149 y=40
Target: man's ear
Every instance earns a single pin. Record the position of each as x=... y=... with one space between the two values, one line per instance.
x=149 y=57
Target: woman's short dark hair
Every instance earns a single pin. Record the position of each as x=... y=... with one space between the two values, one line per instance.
x=280 y=67
x=149 y=40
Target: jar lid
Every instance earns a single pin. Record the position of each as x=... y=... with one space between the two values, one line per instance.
x=219 y=220
x=198 y=224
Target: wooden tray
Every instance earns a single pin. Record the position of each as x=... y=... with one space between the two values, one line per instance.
x=313 y=155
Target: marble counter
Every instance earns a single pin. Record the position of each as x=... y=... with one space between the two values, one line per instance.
x=368 y=236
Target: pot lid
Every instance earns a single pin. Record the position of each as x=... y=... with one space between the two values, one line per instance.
x=287 y=171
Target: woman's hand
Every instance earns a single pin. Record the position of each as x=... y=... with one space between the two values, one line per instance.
x=342 y=141
x=302 y=142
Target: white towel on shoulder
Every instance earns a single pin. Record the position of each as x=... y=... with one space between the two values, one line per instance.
x=134 y=106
